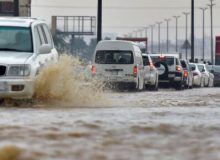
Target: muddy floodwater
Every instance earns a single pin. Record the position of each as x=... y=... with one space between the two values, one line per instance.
x=163 y=125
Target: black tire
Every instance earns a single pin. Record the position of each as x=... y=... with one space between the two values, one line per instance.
x=179 y=85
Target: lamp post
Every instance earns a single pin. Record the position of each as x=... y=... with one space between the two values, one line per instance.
x=176 y=17
x=158 y=23
x=152 y=38
x=211 y=8
x=99 y=15
x=167 y=20
x=192 y=30
x=186 y=14
x=203 y=33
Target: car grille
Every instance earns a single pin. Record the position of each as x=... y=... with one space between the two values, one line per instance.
x=2 y=70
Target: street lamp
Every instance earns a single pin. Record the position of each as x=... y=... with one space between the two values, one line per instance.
x=203 y=33
x=176 y=17
x=192 y=30
x=99 y=15
x=211 y=7
x=159 y=23
x=186 y=14
x=152 y=38
x=167 y=20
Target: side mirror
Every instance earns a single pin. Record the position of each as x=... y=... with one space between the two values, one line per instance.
x=44 y=49
x=212 y=71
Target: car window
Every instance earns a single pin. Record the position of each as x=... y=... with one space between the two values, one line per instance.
x=168 y=60
x=201 y=68
x=48 y=35
x=114 y=57
x=13 y=38
x=37 y=38
x=146 y=61
x=216 y=68
x=42 y=40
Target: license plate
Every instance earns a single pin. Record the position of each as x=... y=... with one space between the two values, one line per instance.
x=2 y=86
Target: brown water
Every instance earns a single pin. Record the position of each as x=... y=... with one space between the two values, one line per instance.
x=88 y=124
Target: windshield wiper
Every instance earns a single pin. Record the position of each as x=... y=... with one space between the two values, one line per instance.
x=11 y=49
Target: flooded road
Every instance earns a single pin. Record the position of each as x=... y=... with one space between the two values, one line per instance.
x=163 y=125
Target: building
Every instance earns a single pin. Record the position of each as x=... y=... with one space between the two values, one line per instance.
x=7 y=8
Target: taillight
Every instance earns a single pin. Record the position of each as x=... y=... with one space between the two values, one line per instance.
x=178 y=68
x=186 y=73
x=135 y=71
x=93 y=70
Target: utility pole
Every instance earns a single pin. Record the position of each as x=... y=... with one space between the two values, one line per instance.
x=16 y=8
x=211 y=9
x=203 y=33
x=176 y=17
x=186 y=14
x=159 y=23
x=192 y=30
x=99 y=15
x=167 y=20
x=152 y=38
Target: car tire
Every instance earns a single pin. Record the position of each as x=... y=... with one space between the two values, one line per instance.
x=179 y=85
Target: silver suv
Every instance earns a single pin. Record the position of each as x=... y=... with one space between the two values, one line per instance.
x=169 y=69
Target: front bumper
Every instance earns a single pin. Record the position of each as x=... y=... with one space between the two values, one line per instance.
x=16 y=88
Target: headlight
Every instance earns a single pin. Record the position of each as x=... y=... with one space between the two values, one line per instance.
x=19 y=70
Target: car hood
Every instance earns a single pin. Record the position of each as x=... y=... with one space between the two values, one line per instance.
x=14 y=57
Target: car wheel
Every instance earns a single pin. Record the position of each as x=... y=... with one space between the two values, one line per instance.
x=179 y=85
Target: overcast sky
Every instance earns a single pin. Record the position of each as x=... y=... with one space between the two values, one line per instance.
x=124 y=16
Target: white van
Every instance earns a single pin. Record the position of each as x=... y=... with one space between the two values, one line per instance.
x=119 y=62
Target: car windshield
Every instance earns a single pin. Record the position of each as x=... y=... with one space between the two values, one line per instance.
x=15 y=39
x=201 y=68
x=216 y=68
x=114 y=57
x=168 y=60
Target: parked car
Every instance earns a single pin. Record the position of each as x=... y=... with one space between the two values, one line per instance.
x=26 y=46
x=150 y=72
x=207 y=73
x=119 y=63
x=215 y=70
x=169 y=69
x=198 y=79
x=208 y=77
x=188 y=75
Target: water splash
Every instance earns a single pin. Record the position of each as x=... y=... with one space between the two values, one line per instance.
x=64 y=83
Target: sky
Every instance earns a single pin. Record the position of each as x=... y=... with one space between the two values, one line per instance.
x=122 y=17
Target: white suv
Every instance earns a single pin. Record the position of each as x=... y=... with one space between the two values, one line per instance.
x=169 y=69
x=26 y=46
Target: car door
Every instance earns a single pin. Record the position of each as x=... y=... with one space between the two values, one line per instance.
x=146 y=64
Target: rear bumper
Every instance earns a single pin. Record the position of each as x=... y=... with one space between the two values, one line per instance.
x=9 y=88
x=171 y=77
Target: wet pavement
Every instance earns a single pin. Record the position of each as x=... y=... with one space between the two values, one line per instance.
x=163 y=125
